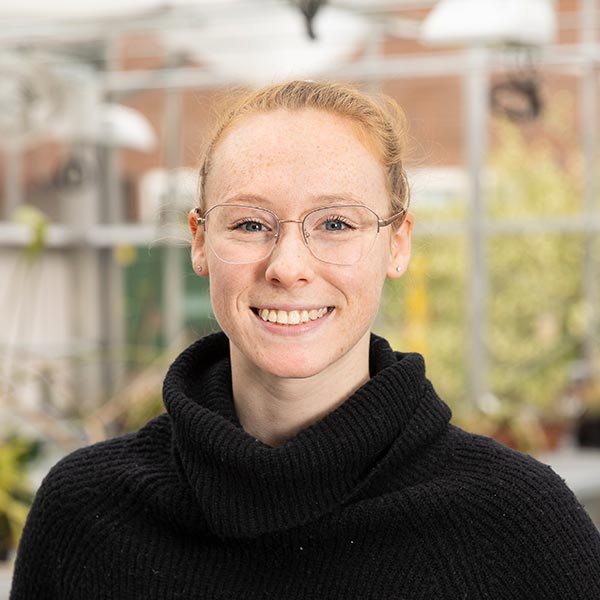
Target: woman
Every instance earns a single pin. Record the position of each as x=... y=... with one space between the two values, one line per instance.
x=300 y=457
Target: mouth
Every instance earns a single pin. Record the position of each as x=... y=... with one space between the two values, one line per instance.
x=291 y=317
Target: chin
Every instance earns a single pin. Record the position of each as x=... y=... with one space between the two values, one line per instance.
x=294 y=366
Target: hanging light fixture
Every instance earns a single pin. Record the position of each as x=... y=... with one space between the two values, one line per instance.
x=518 y=27
x=490 y=22
x=257 y=47
x=309 y=9
x=124 y=127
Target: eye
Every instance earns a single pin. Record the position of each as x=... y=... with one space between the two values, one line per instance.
x=336 y=224
x=250 y=225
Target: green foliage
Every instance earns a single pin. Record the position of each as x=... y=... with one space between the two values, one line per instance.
x=439 y=331
x=15 y=495
x=536 y=316
x=535 y=279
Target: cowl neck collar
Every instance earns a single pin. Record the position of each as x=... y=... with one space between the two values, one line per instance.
x=245 y=488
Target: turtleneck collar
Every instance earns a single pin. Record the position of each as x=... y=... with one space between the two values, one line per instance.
x=245 y=488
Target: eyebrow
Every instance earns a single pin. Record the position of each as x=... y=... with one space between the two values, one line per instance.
x=246 y=199
x=344 y=198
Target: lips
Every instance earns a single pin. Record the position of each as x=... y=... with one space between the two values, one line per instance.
x=291 y=317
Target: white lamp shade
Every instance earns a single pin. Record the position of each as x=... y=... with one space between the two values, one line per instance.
x=125 y=127
x=490 y=22
x=256 y=47
x=73 y=9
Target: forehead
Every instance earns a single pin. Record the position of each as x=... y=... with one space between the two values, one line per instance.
x=298 y=155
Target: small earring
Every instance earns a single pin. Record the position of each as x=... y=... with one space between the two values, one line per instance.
x=199 y=268
x=399 y=269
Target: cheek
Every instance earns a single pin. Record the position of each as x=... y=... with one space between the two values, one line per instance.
x=364 y=288
x=228 y=290
x=224 y=290
x=380 y=258
x=370 y=278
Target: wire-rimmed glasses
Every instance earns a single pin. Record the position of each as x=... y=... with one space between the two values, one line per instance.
x=337 y=234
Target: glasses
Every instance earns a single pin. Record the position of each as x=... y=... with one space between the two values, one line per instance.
x=340 y=234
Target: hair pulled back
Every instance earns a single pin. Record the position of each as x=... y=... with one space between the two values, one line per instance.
x=380 y=122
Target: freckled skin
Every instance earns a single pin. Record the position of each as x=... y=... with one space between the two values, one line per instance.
x=291 y=160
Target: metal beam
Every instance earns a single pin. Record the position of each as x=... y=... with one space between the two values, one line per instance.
x=588 y=98
x=475 y=118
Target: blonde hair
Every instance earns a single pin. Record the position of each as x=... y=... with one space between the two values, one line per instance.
x=381 y=124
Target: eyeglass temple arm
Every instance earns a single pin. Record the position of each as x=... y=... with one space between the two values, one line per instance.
x=390 y=220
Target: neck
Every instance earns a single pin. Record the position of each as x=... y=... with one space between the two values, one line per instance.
x=274 y=409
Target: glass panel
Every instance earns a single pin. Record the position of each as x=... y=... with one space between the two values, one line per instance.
x=537 y=324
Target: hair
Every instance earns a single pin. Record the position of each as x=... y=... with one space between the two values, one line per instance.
x=381 y=124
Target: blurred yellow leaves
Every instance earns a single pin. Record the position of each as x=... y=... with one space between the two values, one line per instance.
x=417 y=306
x=37 y=222
x=14 y=491
x=125 y=255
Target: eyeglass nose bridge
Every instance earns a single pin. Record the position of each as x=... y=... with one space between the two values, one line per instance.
x=305 y=234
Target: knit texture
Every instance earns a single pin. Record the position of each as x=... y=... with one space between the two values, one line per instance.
x=381 y=499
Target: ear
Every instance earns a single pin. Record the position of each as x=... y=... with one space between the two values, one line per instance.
x=400 y=246
x=198 y=253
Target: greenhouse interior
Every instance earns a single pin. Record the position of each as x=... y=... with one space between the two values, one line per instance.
x=105 y=108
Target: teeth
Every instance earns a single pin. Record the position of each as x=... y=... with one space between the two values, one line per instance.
x=293 y=317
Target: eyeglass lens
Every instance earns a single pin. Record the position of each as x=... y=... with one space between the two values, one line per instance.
x=340 y=235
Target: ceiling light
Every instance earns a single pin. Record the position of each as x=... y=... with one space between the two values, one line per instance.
x=490 y=22
x=256 y=46
x=125 y=127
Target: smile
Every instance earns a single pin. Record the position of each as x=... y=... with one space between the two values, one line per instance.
x=291 y=317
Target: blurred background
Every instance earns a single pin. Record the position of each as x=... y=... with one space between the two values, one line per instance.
x=103 y=111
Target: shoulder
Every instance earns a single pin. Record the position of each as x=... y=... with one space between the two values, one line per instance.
x=123 y=473
x=511 y=519
x=522 y=505
x=487 y=467
x=82 y=498
x=481 y=452
x=110 y=466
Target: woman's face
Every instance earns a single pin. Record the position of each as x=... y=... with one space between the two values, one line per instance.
x=290 y=163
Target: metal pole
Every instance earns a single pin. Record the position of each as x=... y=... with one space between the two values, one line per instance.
x=80 y=212
x=173 y=288
x=588 y=97
x=113 y=301
x=476 y=125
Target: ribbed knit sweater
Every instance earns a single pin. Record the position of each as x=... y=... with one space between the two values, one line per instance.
x=381 y=499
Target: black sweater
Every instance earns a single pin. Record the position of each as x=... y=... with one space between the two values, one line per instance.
x=381 y=499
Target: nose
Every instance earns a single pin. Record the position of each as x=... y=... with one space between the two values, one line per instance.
x=291 y=263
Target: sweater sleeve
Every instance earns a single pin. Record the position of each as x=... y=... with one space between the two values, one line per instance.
x=65 y=524
x=37 y=562
x=513 y=526
x=538 y=534
x=563 y=557
x=49 y=549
